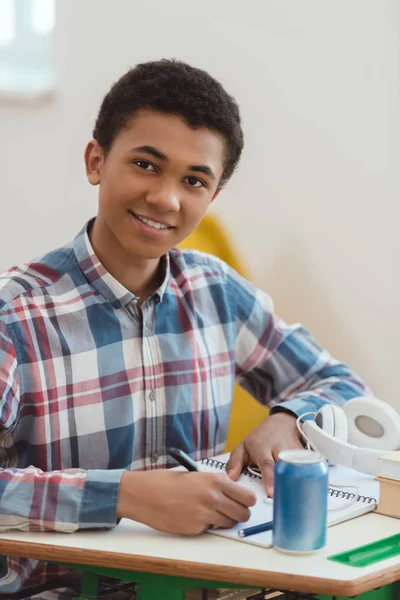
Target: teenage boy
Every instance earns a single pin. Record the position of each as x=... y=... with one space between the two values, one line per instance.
x=118 y=345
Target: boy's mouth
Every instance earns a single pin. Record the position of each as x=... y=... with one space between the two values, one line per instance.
x=157 y=225
x=148 y=224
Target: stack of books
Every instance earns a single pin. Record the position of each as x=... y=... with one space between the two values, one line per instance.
x=389 y=479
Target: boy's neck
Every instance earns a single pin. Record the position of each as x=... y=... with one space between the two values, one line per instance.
x=141 y=277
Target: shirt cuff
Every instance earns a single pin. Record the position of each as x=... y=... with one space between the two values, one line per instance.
x=299 y=406
x=100 y=499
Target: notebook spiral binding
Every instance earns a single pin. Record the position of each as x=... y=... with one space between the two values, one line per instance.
x=218 y=464
x=350 y=496
x=212 y=462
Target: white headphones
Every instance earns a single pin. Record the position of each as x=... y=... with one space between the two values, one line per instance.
x=356 y=435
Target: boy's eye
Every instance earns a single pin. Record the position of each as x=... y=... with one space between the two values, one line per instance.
x=194 y=181
x=144 y=164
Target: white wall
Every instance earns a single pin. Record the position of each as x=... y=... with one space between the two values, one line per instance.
x=314 y=205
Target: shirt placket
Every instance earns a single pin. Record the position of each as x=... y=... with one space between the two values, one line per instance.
x=153 y=401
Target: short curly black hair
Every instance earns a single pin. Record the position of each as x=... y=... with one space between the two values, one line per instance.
x=172 y=87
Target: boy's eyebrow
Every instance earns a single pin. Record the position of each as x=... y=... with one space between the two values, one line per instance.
x=161 y=156
x=203 y=169
x=150 y=150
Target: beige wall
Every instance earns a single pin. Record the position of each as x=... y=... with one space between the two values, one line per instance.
x=314 y=206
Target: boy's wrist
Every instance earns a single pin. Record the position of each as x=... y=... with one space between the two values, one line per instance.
x=131 y=495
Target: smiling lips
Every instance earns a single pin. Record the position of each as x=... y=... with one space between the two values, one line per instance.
x=154 y=224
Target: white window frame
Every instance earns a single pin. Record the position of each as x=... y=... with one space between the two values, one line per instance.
x=26 y=64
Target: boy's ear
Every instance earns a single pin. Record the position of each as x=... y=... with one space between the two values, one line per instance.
x=94 y=157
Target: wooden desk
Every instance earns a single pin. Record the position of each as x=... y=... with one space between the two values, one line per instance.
x=131 y=550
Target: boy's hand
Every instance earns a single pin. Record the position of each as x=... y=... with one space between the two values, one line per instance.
x=183 y=502
x=261 y=447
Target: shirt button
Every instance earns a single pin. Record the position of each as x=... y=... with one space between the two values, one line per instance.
x=154 y=458
x=152 y=395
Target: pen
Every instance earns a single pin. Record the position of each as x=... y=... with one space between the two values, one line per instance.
x=256 y=529
x=183 y=459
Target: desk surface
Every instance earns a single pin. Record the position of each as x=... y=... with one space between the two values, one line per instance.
x=135 y=547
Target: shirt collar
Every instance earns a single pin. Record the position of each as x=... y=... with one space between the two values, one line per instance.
x=109 y=287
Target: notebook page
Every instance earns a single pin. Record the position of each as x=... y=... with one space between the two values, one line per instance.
x=339 y=508
x=352 y=482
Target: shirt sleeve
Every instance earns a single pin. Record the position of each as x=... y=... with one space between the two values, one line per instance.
x=280 y=365
x=33 y=500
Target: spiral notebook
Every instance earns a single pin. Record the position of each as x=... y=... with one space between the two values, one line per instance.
x=351 y=494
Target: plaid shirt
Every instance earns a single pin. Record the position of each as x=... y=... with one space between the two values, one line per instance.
x=90 y=386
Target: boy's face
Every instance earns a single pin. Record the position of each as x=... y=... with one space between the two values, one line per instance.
x=156 y=181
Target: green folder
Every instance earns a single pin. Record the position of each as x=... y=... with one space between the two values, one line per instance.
x=363 y=556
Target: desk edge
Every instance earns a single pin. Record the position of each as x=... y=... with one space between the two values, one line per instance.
x=195 y=570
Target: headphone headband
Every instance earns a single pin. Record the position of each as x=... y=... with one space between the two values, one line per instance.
x=365 y=460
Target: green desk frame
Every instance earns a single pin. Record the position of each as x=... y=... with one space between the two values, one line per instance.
x=153 y=586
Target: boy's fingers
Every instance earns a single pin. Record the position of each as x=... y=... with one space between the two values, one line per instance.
x=238 y=459
x=266 y=466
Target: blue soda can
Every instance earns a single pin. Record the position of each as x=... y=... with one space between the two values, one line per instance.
x=300 y=501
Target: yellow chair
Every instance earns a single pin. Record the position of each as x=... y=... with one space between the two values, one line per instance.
x=246 y=413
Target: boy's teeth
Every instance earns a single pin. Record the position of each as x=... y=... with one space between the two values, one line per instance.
x=152 y=223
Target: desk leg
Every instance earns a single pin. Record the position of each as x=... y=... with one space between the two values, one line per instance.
x=151 y=587
x=89 y=586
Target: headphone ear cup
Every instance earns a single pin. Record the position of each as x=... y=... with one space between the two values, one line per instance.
x=333 y=421
x=372 y=423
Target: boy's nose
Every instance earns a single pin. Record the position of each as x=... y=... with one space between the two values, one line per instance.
x=164 y=198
